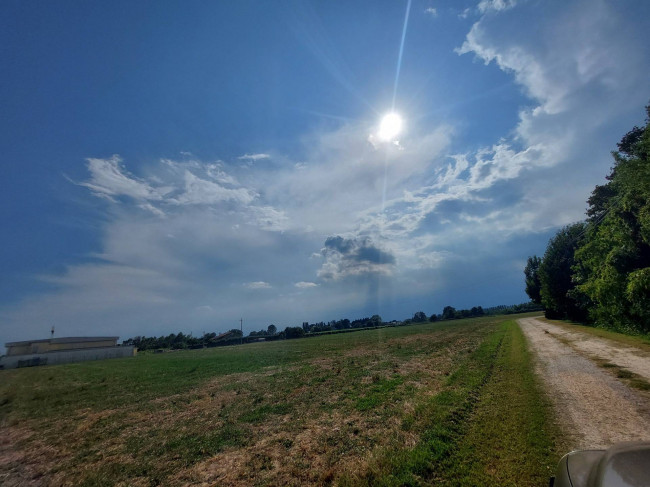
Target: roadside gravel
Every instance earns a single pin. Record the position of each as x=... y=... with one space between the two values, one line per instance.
x=594 y=408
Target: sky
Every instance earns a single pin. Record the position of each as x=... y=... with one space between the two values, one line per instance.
x=176 y=166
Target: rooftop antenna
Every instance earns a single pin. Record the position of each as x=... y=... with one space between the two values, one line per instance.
x=52 y=332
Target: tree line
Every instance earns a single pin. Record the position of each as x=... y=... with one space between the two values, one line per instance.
x=598 y=271
x=182 y=341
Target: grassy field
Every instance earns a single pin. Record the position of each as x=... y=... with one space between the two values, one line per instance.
x=452 y=403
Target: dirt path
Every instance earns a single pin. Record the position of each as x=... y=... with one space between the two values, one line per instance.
x=594 y=408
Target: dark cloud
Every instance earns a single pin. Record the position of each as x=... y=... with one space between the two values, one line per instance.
x=348 y=257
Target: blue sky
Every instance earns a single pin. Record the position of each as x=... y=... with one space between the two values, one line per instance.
x=175 y=166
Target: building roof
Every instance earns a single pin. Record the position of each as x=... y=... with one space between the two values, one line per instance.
x=62 y=340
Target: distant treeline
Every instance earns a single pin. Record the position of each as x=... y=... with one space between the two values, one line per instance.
x=598 y=271
x=451 y=313
x=182 y=341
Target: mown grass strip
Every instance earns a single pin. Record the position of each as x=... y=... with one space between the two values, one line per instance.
x=491 y=425
x=510 y=438
x=440 y=419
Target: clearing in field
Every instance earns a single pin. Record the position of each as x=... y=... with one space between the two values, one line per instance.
x=454 y=403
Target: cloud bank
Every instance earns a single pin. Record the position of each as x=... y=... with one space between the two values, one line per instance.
x=351 y=227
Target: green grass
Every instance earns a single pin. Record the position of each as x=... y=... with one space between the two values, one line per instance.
x=490 y=425
x=53 y=391
x=392 y=406
x=510 y=438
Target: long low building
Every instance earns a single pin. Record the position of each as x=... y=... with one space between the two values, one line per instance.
x=54 y=351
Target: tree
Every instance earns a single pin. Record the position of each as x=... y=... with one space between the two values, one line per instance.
x=433 y=318
x=236 y=332
x=375 y=320
x=448 y=313
x=419 y=317
x=555 y=274
x=477 y=311
x=272 y=329
x=294 y=332
x=613 y=266
x=533 y=286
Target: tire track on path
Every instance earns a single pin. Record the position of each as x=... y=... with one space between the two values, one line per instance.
x=593 y=408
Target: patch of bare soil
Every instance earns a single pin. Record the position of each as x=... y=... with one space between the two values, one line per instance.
x=594 y=409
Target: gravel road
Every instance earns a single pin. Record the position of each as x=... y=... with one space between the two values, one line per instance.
x=594 y=408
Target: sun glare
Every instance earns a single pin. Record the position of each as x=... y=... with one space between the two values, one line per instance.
x=390 y=127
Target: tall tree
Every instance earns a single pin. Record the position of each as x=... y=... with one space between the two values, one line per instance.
x=555 y=274
x=419 y=317
x=533 y=286
x=613 y=266
x=448 y=313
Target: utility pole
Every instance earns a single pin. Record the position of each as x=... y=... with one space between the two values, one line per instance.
x=241 y=328
x=52 y=332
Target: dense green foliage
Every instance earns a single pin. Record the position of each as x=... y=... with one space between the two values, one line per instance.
x=600 y=270
x=613 y=266
x=451 y=313
x=533 y=285
x=513 y=309
x=555 y=274
x=182 y=341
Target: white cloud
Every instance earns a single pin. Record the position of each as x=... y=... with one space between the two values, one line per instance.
x=495 y=5
x=199 y=191
x=268 y=218
x=346 y=178
x=258 y=285
x=254 y=157
x=216 y=172
x=431 y=11
x=580 y=75
x=109 y=178
x=305 y=285
x=414 y=217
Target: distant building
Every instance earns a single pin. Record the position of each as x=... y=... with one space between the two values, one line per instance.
x=53 y=351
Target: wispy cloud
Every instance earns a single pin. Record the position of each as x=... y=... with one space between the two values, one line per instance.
x=254 y=157
x=108 y=178
x=199 y=191
x=258 y=285
x=495 y=5
x=305 y=285
x=431 y=11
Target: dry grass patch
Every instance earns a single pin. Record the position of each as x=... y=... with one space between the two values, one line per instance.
x=314 y=419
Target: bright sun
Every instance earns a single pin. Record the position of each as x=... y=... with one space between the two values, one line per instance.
x=390 y=127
